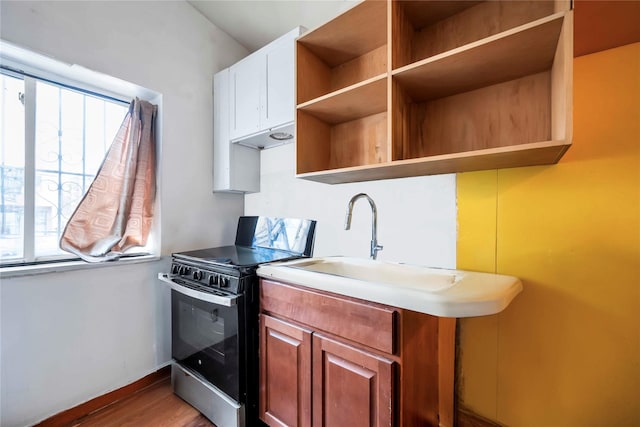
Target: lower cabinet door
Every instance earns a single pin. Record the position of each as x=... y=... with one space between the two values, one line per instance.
x=285 y=373
x=351 y=387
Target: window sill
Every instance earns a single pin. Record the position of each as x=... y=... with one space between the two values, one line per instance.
x=31 y=270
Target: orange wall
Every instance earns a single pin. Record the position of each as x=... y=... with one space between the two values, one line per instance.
x=566 y=352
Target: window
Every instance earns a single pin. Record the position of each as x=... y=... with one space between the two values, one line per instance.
x=53 y=140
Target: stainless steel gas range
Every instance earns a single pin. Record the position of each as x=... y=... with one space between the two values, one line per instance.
x=214 y=316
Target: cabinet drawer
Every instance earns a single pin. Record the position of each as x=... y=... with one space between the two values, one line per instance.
x=367 y=324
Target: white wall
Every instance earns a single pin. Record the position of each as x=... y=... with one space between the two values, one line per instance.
x=416 y=216
x=70 y=336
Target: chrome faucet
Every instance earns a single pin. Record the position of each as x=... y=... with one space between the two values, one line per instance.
x=375 y=247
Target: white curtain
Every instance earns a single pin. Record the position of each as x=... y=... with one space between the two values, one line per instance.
x=116 y=213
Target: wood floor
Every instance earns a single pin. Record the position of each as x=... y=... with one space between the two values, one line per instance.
x=154 y=406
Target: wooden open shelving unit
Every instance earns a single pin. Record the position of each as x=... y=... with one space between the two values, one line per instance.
x=392 y=89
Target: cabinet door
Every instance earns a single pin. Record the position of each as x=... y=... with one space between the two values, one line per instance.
x=221 y=142
x=278 y=107
x=235 y=168
x=285 y=373
x=246 y=84
x=350 y=387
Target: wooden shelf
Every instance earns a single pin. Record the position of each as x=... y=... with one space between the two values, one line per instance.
x=355 y=32
x=519 y=52
x=510 y=113
x=495 y=158
x=345 y=51
x=422 y=14
x=424 y=29
x=322 y=146
x=472 y=85
x=353 y=102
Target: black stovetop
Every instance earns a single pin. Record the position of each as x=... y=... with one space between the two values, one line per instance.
x=235 y=256
x=259 y=240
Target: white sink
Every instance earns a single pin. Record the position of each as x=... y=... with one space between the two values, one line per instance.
x=439 y=292
x=392 y=274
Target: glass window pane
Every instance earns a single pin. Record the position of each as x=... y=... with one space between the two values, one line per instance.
x=95 y=134
x=72 y=122
x=11 y=168
x=47 y=126
x=46 y=213
x=73 y=133
x=57 y=195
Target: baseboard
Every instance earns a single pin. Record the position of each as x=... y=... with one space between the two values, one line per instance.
x=66 y=417
x=465 y=417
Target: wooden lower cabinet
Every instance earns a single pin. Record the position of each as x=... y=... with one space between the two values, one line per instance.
x=285 y=373
x=332 y=361
x=346 y=386
x=350 y=386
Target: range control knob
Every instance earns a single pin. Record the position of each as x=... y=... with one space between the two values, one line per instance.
x=175 y=269
x=224 y=282
x=213 y=280
x=197 y=275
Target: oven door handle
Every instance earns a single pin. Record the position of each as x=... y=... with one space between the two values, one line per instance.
x=227 y=301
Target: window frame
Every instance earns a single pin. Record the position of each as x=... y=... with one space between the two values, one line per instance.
x=32 y=67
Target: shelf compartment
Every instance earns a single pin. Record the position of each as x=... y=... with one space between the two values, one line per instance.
x=467 y=111
x=321 y=145
x=425 y=29
x=522 y=51
x=347 y=50
x=354 y=102
x=509 y=113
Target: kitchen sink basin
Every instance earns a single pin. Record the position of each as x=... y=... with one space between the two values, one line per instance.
x=392 y=274
x=435 y=291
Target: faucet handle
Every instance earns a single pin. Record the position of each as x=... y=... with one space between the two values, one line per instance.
x=375 y=248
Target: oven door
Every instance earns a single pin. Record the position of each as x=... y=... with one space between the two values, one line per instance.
x=205 y=339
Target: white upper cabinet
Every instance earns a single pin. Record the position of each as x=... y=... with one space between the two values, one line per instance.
x=235 y=168
x=279 y=104
x=246 y=85
x=262 y=94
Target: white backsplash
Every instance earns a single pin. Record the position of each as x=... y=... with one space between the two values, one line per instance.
x=416 y=216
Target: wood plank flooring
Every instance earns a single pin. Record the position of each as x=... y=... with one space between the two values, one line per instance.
x=154 y=406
